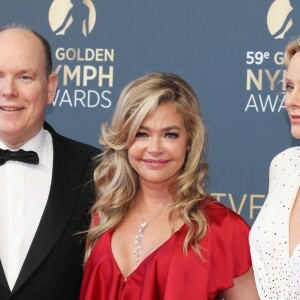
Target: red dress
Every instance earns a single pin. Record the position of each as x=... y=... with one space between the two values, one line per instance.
x=169 y=274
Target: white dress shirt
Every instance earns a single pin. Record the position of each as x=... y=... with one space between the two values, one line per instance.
x=277 y=274
x=24 y=191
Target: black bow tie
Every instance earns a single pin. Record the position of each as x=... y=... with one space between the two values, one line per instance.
x=29 y=157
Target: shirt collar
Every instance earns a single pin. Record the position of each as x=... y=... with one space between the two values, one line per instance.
x=41 y=143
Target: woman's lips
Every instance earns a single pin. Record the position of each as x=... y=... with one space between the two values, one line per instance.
x=294 y=118
x=155 y=163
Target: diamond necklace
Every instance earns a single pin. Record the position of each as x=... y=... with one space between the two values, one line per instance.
x=140 y=234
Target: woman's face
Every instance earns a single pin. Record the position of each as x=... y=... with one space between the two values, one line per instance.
x=159 y=148
x=292 y=99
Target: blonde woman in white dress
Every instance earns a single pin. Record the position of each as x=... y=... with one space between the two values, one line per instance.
x=275 y=235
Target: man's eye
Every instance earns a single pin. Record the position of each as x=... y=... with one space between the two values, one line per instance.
x=26 y=78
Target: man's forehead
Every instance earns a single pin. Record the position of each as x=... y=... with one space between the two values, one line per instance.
x=19 y=34
x=22 y=49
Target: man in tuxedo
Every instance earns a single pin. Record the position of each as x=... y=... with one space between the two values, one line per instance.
x=46 y=190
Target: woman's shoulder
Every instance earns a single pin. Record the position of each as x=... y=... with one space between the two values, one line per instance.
x=217 y=214
x=289 y=155
x=227 y=231
x=284 y=163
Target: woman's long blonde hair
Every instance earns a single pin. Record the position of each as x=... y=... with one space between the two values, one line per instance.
x=117 y=182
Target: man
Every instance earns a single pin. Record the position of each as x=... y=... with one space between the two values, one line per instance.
x=44 y=202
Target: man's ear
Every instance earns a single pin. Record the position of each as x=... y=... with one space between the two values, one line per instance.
x=52 y=87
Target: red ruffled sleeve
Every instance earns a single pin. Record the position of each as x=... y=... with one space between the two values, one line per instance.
x=230 y=252
x=226 y=253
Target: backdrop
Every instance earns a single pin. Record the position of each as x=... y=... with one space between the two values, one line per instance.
x=229 y=51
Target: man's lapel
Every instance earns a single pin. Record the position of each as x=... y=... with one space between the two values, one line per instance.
x=3 y=280
x=58 y=209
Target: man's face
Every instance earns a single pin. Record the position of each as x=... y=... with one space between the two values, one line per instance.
x=25 y=88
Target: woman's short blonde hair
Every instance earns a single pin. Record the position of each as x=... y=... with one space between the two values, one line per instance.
x=290 y=50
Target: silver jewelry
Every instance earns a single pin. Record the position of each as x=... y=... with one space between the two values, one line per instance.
x=140 y=234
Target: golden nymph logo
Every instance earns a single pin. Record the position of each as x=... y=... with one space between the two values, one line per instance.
x=86 y=73
x=72 y=16
x=283 y=17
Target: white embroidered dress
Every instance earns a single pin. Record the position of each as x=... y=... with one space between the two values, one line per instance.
x=277 y=274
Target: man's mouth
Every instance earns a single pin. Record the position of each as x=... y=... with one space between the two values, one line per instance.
x=10 y=108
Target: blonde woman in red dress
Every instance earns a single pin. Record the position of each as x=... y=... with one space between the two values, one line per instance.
x=155 y=233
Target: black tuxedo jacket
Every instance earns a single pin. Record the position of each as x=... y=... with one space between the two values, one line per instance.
x=52 y=269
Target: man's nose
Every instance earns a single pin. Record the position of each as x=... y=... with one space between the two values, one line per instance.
x=8 y=87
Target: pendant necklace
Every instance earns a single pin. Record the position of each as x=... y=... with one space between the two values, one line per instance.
x=140 y=234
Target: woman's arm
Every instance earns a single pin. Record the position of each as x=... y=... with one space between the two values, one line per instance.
x=244 y=288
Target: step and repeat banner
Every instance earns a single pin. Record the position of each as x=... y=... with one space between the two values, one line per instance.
x=231 y=52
